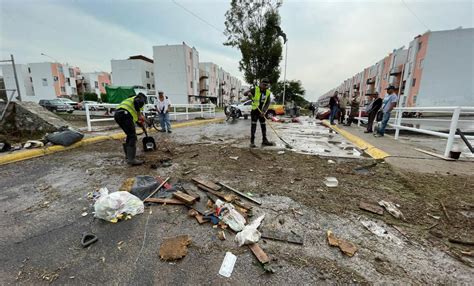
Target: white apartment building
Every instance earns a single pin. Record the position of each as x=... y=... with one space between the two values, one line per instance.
x=177 y=72
x=208 y=82
x=134 y=71
x=24 y=81
x=96 y=82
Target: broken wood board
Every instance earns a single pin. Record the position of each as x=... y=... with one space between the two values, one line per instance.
x=434 y=154
x=371 y=208
x=184 y=197
x=259 y=253
x=208 y=184
x=347 y=247
x=227 y=198
x=242 y=205
x=241 y=194
x=281 y=236
x=164 y=201
x=193 y=194
x=175 y=248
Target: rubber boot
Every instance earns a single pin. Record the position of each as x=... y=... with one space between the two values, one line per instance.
x=265 y=142
x=131 y=153
x=124 y=145
x=252 y=144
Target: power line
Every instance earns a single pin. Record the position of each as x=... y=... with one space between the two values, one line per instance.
x=198 y=17
x=414 y=14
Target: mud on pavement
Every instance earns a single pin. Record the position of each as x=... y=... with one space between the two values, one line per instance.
x=42 y=202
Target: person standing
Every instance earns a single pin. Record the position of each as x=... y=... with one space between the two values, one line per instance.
x=261 y=98
x=333 y=107
x=389 y=103
x=342 y=108
x=354 y=110
x=162 y=106
x=127 y=114
x=372 y=111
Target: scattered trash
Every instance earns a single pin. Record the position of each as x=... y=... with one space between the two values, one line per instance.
x=221 y=235
x=250 y=233
x=119 y=205
x=5 y=146
x=175 y=248
x=234 y=157
x=230 y=216
x=65 y=137
x=84 y=214
x=33 y=144
x=433 y=216
x=227 y=264
x=281 y=152
x=380 y=231
x=371 y=208
x=207 y=184
x=331 y=162
x=392 y=209
x=347 y=247
x=331 y=182
x=88 y=239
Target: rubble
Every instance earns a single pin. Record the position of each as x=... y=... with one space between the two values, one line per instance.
x=175 y=248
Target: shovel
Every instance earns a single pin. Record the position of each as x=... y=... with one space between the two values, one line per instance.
x=148 y=142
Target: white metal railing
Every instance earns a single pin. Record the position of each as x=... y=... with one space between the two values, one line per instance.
x=456 y=111
x=177 y=110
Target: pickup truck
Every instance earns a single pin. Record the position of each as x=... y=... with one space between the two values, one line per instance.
x=245 y=108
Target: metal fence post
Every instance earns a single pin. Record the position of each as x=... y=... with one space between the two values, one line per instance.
x=398 y=122
x=187 y=113
x=202 y=111
x=88 y=118
x=452 y=131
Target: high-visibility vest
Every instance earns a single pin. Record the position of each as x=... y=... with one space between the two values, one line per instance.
x=256 y=98
x=127 y=104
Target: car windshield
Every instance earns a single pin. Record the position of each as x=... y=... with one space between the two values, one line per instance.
x=56 y=101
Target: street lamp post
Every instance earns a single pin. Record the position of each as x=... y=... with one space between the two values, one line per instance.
x=284 y=76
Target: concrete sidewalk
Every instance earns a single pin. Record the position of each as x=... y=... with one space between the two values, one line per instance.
x=402 y=154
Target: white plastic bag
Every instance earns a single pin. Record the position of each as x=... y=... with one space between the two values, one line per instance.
x=233 y=218
x=110 y=207
x=250 y=233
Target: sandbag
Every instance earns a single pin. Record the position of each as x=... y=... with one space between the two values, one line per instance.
x=65 y=137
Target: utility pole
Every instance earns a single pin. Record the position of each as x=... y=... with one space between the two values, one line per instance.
x=284 y=76
x=16 y=78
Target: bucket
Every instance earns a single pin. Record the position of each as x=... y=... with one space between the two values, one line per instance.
x=149 y=144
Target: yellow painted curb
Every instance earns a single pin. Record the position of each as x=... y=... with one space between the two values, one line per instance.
x=33 y=153
x=368 y=148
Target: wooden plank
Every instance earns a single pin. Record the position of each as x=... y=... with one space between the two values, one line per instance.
x=371 y=208
x=287 y=237
x=208 y=184
x=184 y=197
x=164 y=201
x=242 y=205
x=259 y=253
x=241 y=194
x=157 y=189
x=434 y=154
x=227 y=198
x=195 y=195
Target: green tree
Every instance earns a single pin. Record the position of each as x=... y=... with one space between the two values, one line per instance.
x=294 y=91
x=254 y=28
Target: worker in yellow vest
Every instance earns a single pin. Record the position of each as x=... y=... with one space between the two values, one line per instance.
x=127 y=114
x=261 y=98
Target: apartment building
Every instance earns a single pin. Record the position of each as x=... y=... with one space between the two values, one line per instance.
x=177 y=72
x=435 y=70
x=134 y=71
x=209 y=82
x=24 y=81
x=96 y=82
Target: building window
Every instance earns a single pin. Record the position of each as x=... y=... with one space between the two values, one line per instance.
x=190 y=55
x=31 y=79
x=148 y=86
x=45 y=81
x=74 y=90
x=147 y=74
x=71 y=73
x=413 y=82
x=191 y=84
x=29 y=70
x=63 y=89
x=96 y=84
x=55 y=78
x=419 y=46
x=153 y=86
x=152 y=74
x=68 y=81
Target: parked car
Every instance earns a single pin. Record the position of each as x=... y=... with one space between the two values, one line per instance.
x=324 y=112
x=244 y=109
x=70 y=102
x=56 y=105
x=82 y=105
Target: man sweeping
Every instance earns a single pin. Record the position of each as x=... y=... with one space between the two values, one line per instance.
x=261 y=98
x=128 y=113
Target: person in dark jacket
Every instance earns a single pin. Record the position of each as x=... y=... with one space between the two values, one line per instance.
x=372 y=111
x=354 y=110
x=128 y=113
x=334 y=107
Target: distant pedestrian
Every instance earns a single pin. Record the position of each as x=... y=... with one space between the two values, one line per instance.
x=389 y=103
x=333 y=107
x=343 y=102
x=374 y=107
x=311 y=108
x=162 y=106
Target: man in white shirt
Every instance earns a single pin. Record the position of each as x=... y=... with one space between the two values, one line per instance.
x=389 y=103
x=162 y=106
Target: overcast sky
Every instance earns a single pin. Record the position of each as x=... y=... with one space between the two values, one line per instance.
x=329 y=41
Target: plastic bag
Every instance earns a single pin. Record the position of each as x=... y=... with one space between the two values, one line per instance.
x=111 y=207
x=65 y=137
x=250 y=233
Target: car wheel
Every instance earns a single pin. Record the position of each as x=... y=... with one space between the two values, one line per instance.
x=70 y=111
x=246 y=116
